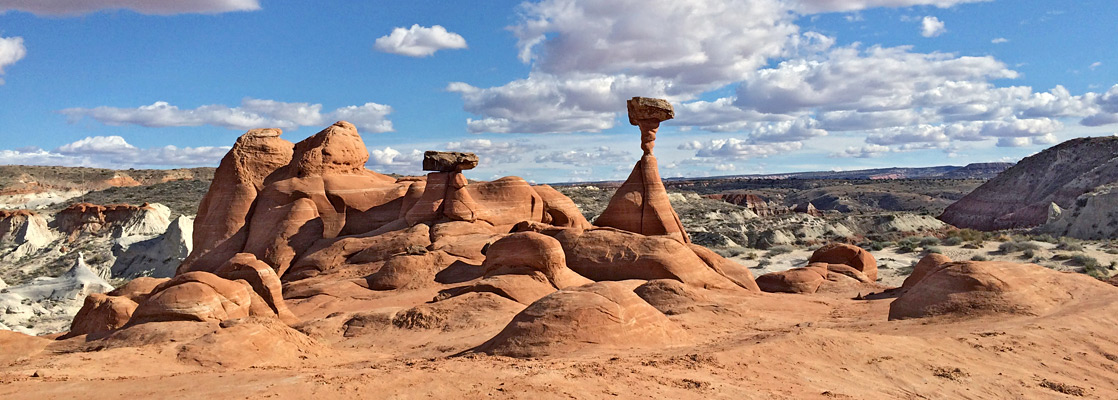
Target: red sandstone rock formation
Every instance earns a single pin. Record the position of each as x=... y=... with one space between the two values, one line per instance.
x=841 y=253
x=975 y=288
x=220 y=228
x=604 y=314
x=810 y=279
x=927 y=265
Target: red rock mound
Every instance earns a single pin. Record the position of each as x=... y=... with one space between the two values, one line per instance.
x=972 y=288
x=927 y=265
x=841 y=253
x=603 y=314
x=524 y=267
x=810 y=279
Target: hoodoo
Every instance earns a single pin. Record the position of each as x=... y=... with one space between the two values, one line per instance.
x=641 y=204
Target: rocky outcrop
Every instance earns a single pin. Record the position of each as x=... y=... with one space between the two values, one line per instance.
x=753 y=202
x=845 y=254
x=22 y=233
x=52 y=301
x=220 y=225
x=117 y=220
x=1020 y=196
x=156 y=256
x=1093 y=216
x=975 y=288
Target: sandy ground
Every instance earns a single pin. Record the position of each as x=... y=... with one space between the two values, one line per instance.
x=741 y=346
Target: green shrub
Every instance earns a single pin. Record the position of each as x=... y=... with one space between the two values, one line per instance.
x=979 y=257
x=1015 y=246
x=929 y=241
x=933 y=249
x=953 y=241
x=1069 y=244
x=1028 y=253
x=778 y=250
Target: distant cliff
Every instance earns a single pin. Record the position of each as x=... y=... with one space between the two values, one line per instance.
x=1020 y=196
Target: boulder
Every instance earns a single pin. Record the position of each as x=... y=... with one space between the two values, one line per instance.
x=927 y=265
x=138 y=289
x=102 y=314
x=796 y=280
x=408 y=271
x=599 y=315
x=448 y=161
x=220 y=226
x=670 y=296
x=841 y=253
x=976 y=288
x=641 y=205
x=560 y=210
x=810 y=279
x=195 y=296
x=262 y=278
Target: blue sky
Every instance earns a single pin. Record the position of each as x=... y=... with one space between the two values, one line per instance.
x=538 y=88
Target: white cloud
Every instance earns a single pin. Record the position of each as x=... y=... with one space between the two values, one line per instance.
x=491 y=152
x=252 y=113
x=868 y=151
x=999 y=40
x=156 y=7
x=586 y=157
x=587 y=57
x=98 y=145
x=840 y=81
x=115 y=152
x=419 y=41
x=823 y=6
x=1095 y=65
x=11 y=50
x=932 y=27
x=738 y=149
x=724 y=167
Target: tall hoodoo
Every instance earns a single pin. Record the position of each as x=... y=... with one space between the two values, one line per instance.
x=641 y=204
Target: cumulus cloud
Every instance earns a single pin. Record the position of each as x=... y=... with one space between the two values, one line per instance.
x=11 y=50
x=824 y=6
x=494 y=152
x=932 y=27
x=868 y=151
x=419 y=41
x=252 y=113
x=156 y=7
x=585 y=157
x=587 y=57
x=738 y=149
x=115 y=152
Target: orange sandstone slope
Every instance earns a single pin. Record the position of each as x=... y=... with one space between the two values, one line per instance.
x=323 y=279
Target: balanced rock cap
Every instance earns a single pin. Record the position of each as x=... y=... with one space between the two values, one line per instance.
x=647 y=108
x=448 y=161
